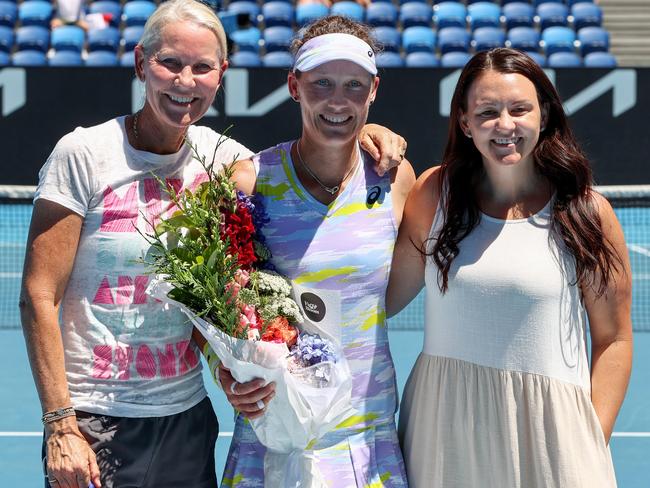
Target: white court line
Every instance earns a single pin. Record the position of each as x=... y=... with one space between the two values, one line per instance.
x=40 y=434
x=11 y=275
x=639 y=249
x=229 y=434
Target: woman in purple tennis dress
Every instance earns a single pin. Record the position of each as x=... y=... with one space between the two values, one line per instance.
x=333 y=224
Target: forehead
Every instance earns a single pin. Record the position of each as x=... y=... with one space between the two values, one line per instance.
x=188 y=38
x=495 y=86
x=339 y=67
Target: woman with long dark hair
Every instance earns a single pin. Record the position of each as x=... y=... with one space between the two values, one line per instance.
x=518 y=253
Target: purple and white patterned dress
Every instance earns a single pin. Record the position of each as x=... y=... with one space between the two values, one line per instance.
x=338 y=258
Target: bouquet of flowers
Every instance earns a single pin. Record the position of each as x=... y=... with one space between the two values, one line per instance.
x=210 y=261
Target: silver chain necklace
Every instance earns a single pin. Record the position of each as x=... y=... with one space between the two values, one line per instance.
x=135 y=128
x=332 y=190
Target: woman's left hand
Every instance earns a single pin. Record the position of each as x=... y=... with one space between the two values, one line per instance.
x=386 y=147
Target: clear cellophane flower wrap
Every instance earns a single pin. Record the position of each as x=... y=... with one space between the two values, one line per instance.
x=308 y=403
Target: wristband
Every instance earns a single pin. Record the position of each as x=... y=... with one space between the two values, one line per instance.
x=58 y=414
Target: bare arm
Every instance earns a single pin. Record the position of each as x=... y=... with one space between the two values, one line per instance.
x=407 y=269
x=386 y=147
x=403 y=179
x=611 y=328
x=51 y=248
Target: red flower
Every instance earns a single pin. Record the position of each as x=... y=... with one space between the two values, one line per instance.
x=279 y=330
x=239 y=229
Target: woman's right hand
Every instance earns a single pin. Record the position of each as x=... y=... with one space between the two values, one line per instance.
x=71 y=462
x=250 y=398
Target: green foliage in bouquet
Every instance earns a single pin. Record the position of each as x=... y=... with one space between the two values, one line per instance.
x=191 y=251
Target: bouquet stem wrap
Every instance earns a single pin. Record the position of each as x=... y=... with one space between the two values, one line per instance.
x=301 y=411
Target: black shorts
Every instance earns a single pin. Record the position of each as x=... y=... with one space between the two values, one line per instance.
x=162 y=452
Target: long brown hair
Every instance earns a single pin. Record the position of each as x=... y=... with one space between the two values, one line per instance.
x=575 y=225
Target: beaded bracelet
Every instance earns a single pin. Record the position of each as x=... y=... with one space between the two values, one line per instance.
x=57 y=414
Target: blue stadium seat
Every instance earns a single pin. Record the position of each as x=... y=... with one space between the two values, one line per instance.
x=228 y=21
x=349 y=9
x=29 y=58
x=102 y=58
x=523 y=38
x=8 y=13
x=449 y=14
x=107 y=39
x=564 y=60
x=389 y=59
x=557 y=39
x=600 y=59
x=418 y=39
x=5 y=59
x=381 y=14
x=35 y=12
x=486 y=38
x=537 y=3
x=245 y=8
x=6 y=39
x=137 y=12
x=68 y=38
x=278 y=13
x=518 y=14
x=33 y=37
x=113 y=9
x=592 y=39
x=552 y=14
x=415 y=13
x=245 y=59
x=309 y=12
x=571 y=3
x=65 y=59
x=454 y=59
x=277 y=59
x=131 y=36
x=506 y=2
x=247 y=39
x=278 y=38
x=127 y=58
x=452 y=39
x=586 y=14
x=388 y=37
x=537 y=57
x=484 y=14
x=422 y=60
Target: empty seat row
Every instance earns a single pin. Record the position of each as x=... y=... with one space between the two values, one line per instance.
x=69 y=38
x=423 y=59
x=32 y=57
x=40 y=12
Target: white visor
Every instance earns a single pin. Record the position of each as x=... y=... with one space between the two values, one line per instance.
x=335 y=47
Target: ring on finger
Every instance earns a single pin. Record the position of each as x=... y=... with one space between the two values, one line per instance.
x=232 y=387
x=260 y=404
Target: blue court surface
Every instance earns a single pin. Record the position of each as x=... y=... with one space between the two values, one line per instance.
x=20 y=426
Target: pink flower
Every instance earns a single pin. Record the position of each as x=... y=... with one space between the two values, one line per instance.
x=232 y=290
x=248 y=317
x=253 y=335
x=242 y=277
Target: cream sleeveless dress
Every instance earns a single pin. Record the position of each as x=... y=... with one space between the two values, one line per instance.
x=500 y=395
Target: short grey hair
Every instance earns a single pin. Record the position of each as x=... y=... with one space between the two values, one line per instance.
x=182 y=10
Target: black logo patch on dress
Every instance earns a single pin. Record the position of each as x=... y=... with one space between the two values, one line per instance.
x=313 y=306
x=373 y=196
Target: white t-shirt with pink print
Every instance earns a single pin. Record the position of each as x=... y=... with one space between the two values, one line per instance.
x=126 y=354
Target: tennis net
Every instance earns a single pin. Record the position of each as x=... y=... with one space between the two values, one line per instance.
x=631 y=203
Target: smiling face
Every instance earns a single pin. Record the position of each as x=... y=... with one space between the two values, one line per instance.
x=334 y=99
x=503 y=117
x=181 y=74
